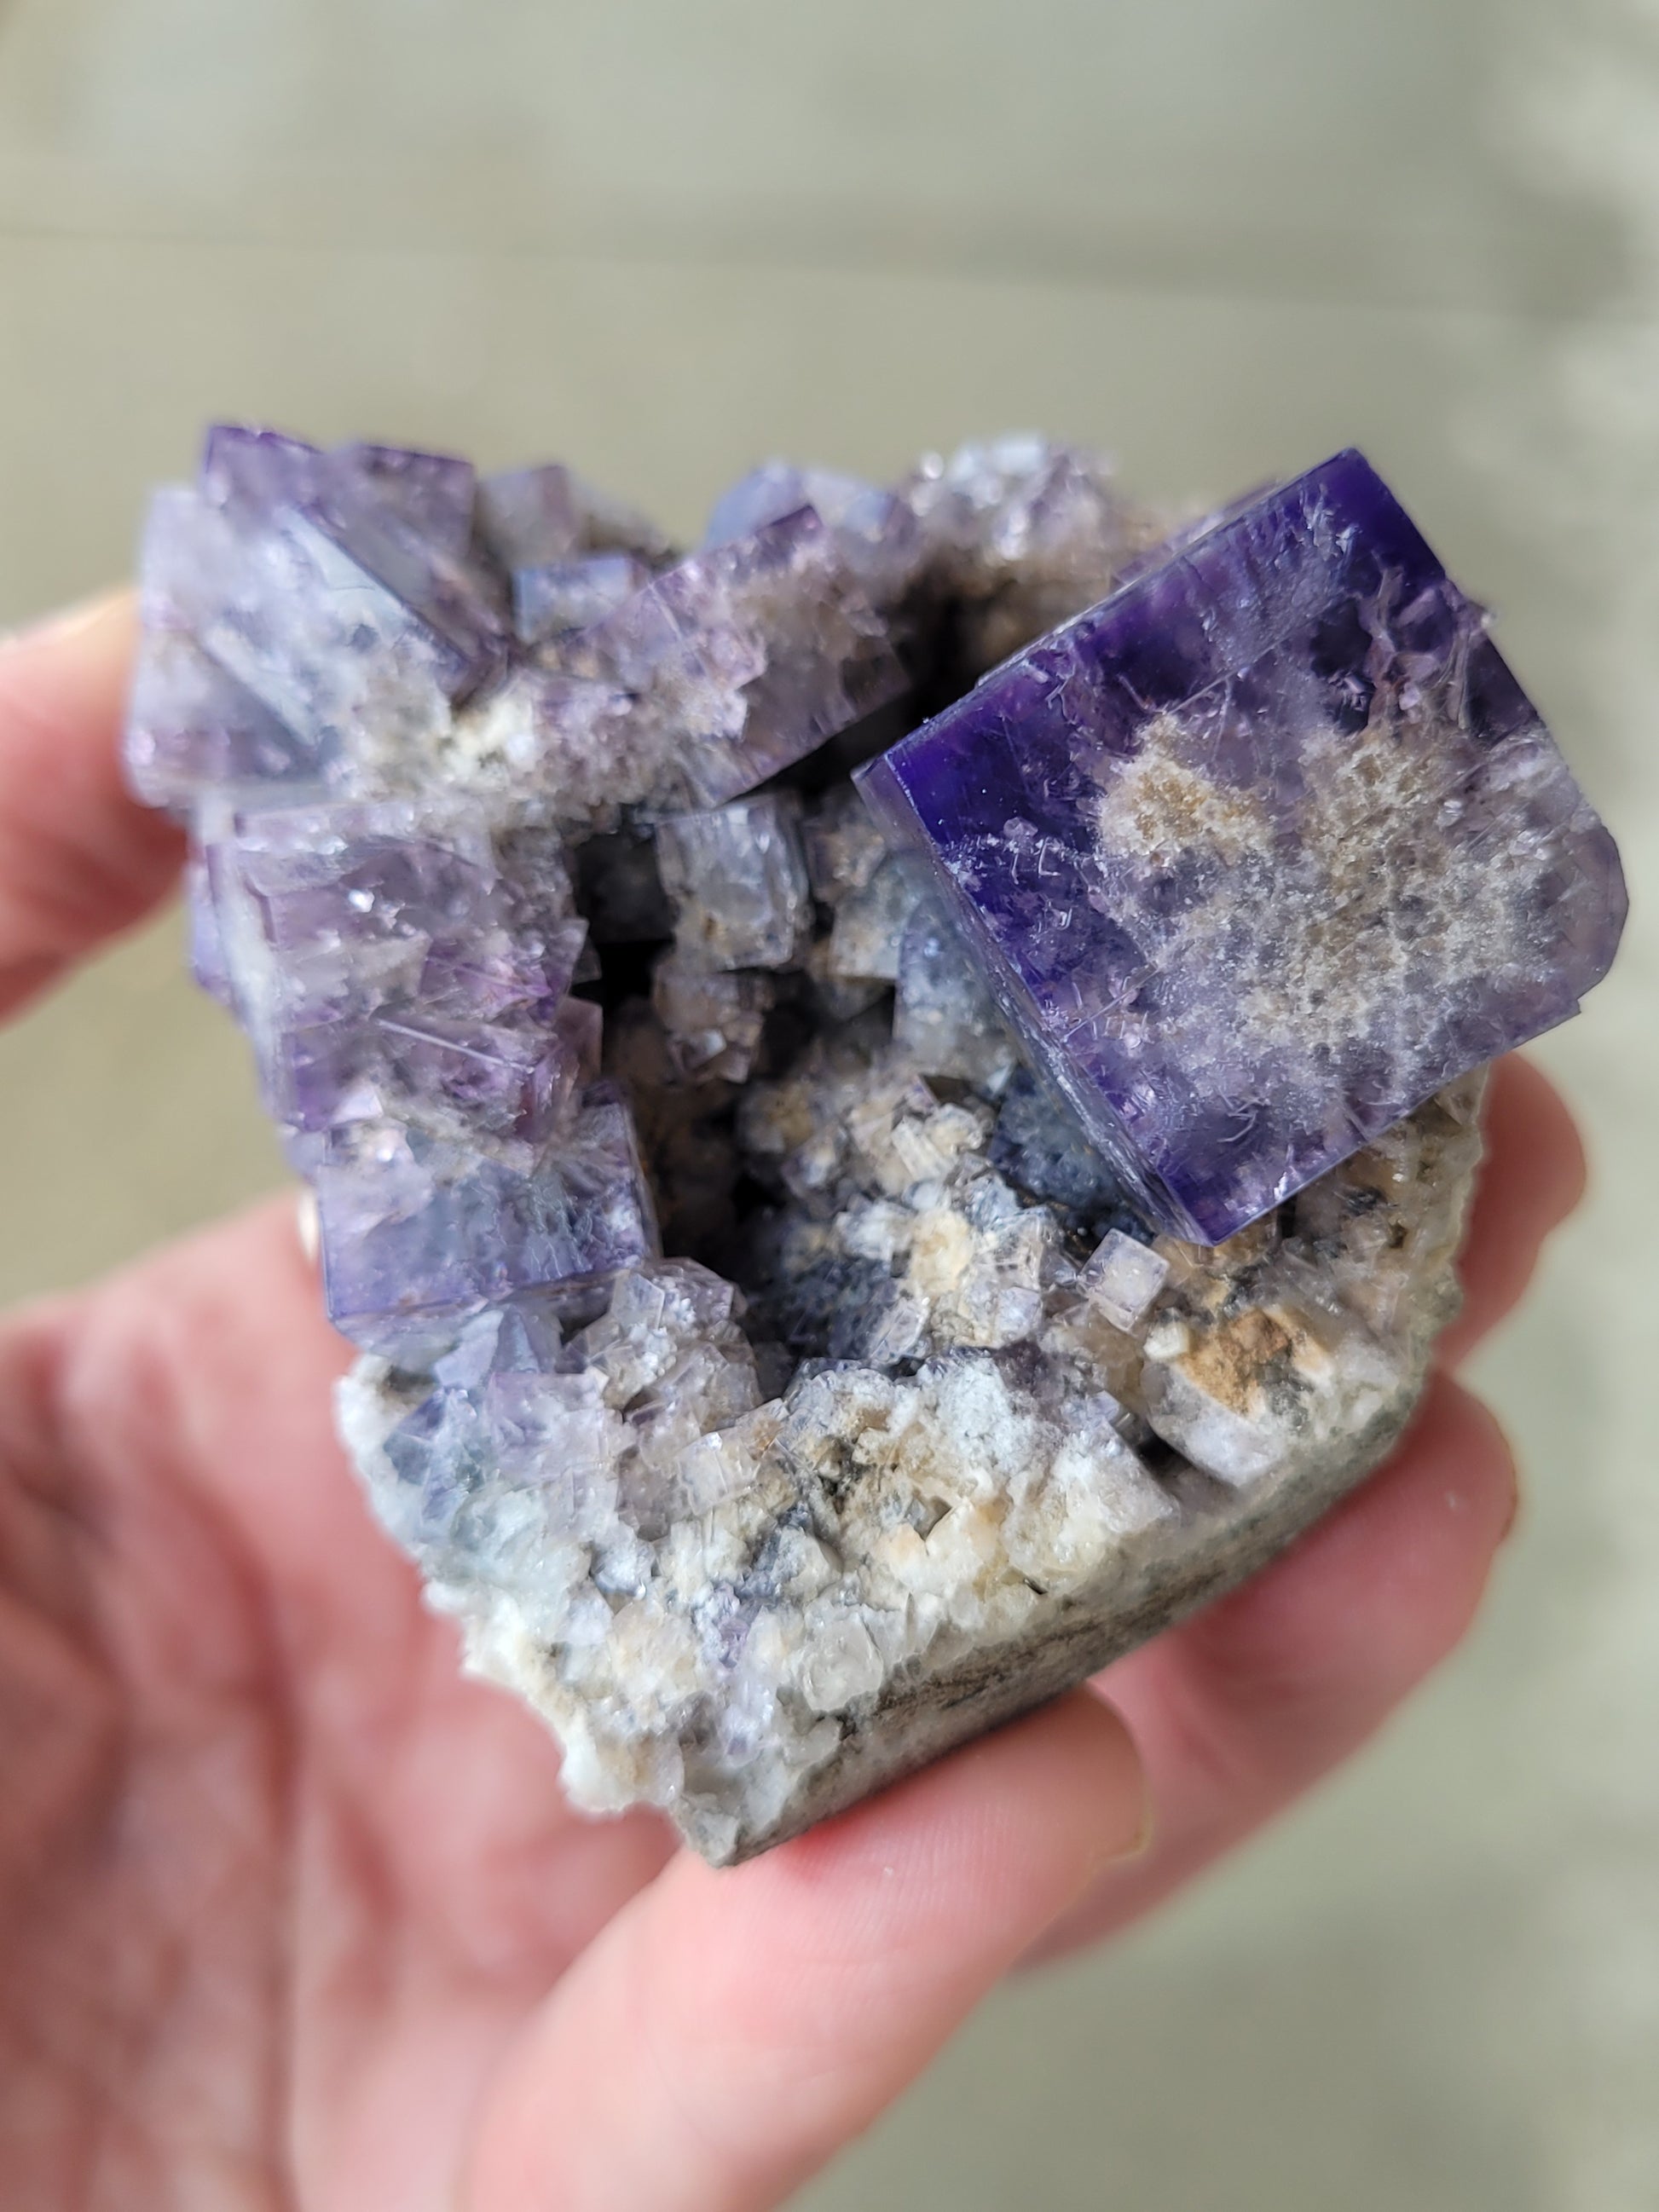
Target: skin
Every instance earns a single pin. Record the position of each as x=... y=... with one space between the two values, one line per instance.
x=291 y=1915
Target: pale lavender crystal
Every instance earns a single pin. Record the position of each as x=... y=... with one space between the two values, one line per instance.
x=1122 y=1276
x=261 y=480
x=326 y=648
x=842 y=846
x=714 y=1019
x=736 y=880
x=403 y=976
x=529 y=517
x=483 y=1438
x=870 y=921
x=434 y=493
x=209 y=963
x=879 y=536
x=507 y=1078
x=512 y=1405
x=385 y=962
x=556 y=597
x=1018 y=533
x=944 y=1014
x=1262 y=851
x=295 y=626
x=743 y=658
x=1022 y=509
x=191 y=725
x=417 y=1231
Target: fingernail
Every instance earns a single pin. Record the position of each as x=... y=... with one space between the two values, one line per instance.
x=1514 y=1516
x=1146 y=1833
x=1124 y=1851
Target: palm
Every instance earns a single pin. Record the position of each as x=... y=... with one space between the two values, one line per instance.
x=292 y=1914
x=276 y=1859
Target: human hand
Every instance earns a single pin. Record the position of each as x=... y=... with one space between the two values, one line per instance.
x=291 y=1915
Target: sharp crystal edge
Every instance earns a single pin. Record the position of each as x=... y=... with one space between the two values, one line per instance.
x=1263 y=851
x=821 y=1293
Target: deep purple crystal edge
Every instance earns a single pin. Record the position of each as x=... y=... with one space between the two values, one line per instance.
x=1305 y=637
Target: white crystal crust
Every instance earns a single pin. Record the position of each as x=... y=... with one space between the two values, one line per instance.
x=834 y=1564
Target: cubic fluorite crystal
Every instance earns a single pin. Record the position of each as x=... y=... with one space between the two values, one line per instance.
x=775 y=1349
x=1263 y=851
x=736 y=880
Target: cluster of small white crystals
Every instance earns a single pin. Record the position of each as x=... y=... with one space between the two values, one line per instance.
x=1025 y=533
x=714 y=1020
x=709 y=1595
x=736 y=880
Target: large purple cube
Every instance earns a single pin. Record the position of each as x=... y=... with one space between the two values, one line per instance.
x=1262 y=850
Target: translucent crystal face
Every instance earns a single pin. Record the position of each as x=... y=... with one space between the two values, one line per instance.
x=751 y=1223
x=1262 y=851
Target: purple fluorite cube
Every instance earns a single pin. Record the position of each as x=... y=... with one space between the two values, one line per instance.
x=509 y=1079
x=879 y=536
x=551 y=600
x=385 y=961
x=191 y=725
x=333 y=513
x=745 y=657
x=403 y=976
x=417 y=1231
x=297 y=625
x=435 y=493
x=1262 y=850
x=529 y=517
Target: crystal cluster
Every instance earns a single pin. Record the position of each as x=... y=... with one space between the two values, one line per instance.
x=819 y=1295
x=1263 y=850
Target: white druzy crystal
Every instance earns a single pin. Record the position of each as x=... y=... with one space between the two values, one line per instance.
x=750 y=1610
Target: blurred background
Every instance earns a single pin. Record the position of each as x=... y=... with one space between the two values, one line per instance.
x=1221 y=238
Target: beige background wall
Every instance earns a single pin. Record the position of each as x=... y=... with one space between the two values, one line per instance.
x=1222 y=237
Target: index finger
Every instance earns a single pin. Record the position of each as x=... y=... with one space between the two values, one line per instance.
x=1531 y=1179
x=80 y=859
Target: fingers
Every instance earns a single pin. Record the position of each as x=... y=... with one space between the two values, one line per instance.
x=1245 y=1706
x=1242 y=1708
x=79 y=858
x=729 y=2031
x=1532 y=1178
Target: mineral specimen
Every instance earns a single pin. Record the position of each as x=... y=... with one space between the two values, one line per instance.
x=878 y=532
x=944 y=1017
x=742 y=659
x=1123 y=1276
x=1262 y=851
x=736 y=880
x=527 y=856
x=559 y=598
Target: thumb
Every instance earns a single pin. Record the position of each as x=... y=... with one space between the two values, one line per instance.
x=79 y=858
x=729 y=2031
